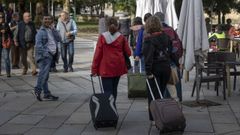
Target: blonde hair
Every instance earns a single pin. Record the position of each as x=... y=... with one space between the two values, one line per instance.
x=153 y=24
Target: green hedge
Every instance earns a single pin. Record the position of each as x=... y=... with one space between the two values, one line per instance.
x=88 y=27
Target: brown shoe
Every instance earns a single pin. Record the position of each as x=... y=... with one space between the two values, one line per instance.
x=34 y=73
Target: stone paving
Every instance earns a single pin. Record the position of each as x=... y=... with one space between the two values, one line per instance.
x=21 y=114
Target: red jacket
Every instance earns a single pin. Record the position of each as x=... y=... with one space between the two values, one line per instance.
x=108 y=59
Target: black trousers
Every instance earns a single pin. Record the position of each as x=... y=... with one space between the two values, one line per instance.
x=110 y=85
x=162 y=76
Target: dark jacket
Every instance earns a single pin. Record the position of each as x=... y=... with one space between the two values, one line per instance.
x=7 y=33
x=157 y=50
x=20 y=33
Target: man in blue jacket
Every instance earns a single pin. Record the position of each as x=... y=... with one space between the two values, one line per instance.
x=46 y=47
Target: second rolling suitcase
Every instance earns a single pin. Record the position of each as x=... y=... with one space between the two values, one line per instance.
x=166 y=113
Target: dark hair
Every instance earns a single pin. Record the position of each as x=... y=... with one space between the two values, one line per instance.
x=207 y=20
x=2 y=15
x=101 y=15
x=160 y=15
x=229 y=21
x=15 y=14
x=137 y=21
x=146 y=16
x=112 y=24
x=112 y=21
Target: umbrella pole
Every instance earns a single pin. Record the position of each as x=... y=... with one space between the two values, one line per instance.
x=197 y=78
x=186 y=76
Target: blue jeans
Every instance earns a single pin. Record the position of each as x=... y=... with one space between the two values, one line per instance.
x=5 y=52
x=42 y=81
x=67 y=48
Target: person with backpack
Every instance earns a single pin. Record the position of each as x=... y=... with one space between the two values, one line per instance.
x=175 y=90
x=67 y=28
x=157 y=52
x=46 y=47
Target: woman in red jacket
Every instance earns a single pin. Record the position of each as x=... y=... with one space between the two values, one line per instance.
x=109 y=61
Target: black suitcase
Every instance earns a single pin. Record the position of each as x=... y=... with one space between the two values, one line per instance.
x=166 y=113
x=103 y=109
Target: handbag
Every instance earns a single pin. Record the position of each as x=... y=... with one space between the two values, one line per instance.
x=137 y=83
x=6 y=43
x=173 y=76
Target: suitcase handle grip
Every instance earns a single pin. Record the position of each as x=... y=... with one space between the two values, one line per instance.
x=140 y=66
x=150 y=89
x=100 y=83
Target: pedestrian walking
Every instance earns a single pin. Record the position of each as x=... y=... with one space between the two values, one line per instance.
x=5 y=36
x=25 y=39
x=68 y=30
x=157 y=53
x=108 y=61
x=46 y=47
x=139 y=46
x=15 y=52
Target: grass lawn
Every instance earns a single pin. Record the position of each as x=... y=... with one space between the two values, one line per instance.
x=88 y=27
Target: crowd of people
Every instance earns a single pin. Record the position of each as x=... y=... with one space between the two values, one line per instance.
x=222 y=32
x=150 y=44
x=23 y=46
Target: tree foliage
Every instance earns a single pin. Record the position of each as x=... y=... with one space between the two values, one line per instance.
x=220 y=8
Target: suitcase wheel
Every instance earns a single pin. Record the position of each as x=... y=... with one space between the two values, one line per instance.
x=95 y=126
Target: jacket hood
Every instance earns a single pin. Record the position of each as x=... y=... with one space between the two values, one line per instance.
x=111 y=38
x=157 y=38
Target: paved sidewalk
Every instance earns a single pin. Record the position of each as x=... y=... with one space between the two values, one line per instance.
x=21 y=114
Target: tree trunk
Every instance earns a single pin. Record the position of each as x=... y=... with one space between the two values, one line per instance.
x=91 y=10
x=223 y=18
x=219 y=17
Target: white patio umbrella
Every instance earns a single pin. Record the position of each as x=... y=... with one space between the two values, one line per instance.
x=192 y=31
x=158 y=6
x=170 y=15
x=143 y=7
x=152 y=6
x=139 y=11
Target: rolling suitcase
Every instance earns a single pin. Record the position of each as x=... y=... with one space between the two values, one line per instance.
x=137 y=83
x=103 y=109
x=166 y=113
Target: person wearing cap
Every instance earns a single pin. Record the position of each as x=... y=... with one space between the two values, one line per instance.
x=47 y=39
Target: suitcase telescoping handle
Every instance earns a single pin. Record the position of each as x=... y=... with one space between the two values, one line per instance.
x=100 y=83
x=140 y=66
x=150 y=89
